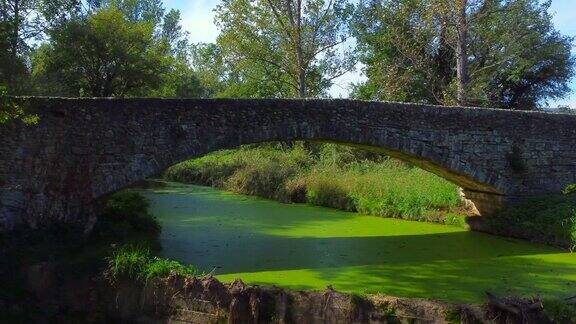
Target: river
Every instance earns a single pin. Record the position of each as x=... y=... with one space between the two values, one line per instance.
x=306 y=247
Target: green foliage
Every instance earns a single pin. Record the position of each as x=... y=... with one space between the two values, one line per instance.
x=571 y=188
x=149 y=11
x=322 y=190
x=213 y=72
x=388 y=188
x=365 y=182
x=280 y=49
x=559 y=311
x=266 y=179
x=452 y=316
x=455 y=220
x=408 y=48
x=103 y=55
x=548 y=219
x=22 y=23
x=131 y=207
x=137 y=263
x=11 y=110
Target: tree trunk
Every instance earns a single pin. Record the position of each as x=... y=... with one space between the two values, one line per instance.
x=299 y=52
x=14 y=46
x=444 y=64
x=461 y=55
x=301 y=77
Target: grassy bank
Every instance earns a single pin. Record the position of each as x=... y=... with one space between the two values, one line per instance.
x=327 y=175
x=549 y=219
x=137 y=269
x=135 y=262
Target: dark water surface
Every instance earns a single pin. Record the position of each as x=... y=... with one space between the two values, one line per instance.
x=306 y=247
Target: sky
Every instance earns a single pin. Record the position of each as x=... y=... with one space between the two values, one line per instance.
x=198 y=20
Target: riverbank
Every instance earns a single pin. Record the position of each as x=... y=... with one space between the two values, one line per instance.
x=62 y=295
x=114 y=277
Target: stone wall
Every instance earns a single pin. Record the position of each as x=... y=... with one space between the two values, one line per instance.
x=83 y=149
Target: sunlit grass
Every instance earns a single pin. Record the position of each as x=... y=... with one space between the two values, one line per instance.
x=388 y=188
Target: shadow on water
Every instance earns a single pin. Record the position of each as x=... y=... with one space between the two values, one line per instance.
x=308 y=247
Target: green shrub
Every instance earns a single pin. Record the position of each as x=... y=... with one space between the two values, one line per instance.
x=571 y=188
x=323 y=190
x=211 y=170
x=547 y=219
x=11 y=110
x=266 y=179
x=455 y=220
x=131 y=207
x=137 y=263
x=388 y=188
x=127 y=262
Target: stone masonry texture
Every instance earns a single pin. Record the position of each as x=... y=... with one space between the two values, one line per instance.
x=57 y=172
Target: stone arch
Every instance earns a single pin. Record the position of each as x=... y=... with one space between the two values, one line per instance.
x=84 y=149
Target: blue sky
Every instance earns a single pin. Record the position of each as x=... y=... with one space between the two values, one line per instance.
x=197 y=18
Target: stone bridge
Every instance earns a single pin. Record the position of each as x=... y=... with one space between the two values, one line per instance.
x=56 y=172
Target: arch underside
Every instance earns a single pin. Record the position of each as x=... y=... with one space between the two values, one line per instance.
x=486 y=199
x=458 y=178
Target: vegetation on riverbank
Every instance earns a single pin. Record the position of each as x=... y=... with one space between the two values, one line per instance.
x=138 y=263
x=327 y=175
x=549 y=219
x=36 y=264
x=560 y=310
x=130 y=208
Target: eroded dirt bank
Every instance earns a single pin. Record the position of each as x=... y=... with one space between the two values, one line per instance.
x=178 y=299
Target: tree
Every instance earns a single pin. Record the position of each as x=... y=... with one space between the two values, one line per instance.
x=150 y=11
x=10 y=110
x=172 y=32
x=179 y=82
x=461 y=51
x=290 y=47
x=5 y=57
x=503 y=54
x=20 y=22
x=166 y=26
x=215 y=75
x=103 y=55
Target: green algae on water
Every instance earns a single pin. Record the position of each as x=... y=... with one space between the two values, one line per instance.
x=306 y=247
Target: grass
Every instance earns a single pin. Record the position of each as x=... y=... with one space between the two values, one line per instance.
x=386 y=188
x=137 y=263
x=549 y=219
x=326 y=175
